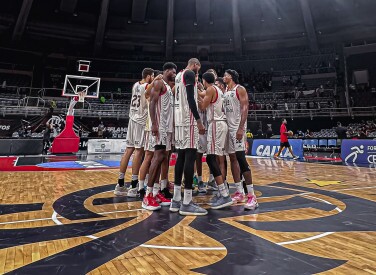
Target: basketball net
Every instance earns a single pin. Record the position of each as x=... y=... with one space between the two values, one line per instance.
x=81 y=96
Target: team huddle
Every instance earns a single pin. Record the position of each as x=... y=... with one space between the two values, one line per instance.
x=177 y=111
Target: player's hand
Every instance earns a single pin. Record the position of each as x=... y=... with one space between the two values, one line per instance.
x=154 y=130
x=158 y=77
x=201 y=128
x=200 y=86
x=240 y=134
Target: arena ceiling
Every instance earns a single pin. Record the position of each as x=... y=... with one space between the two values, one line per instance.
x=167 y=27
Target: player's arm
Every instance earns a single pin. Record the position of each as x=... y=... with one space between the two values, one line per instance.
x=209 y=95
x=190 y=81
x=150 y=86
x=243 y=98
x=154 y=96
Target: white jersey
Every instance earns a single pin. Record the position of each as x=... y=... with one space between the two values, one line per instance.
x=164 y=110
x=215 y=111
x=183 y=115
x=232 y=109
x=148 y=119
x=138 y=109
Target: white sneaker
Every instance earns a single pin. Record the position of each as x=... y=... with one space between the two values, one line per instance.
x=295 y=157
x=132 y=192
x=120 y=190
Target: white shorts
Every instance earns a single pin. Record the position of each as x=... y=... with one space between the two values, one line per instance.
x=148 y=146
x=232 y=144
x=217 y=136
x=202 y=144
x=135 y=135
x=186 y=137
x=164 y=139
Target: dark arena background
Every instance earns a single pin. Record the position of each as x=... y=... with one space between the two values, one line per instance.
x=68 y=70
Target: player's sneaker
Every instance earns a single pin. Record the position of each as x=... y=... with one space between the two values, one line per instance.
x=162 y=200
x=212 y=186
x=120 y=190
x=252 y=203
x=295 y=157
x=195 y=180
x=192 y=209
x=166 y=193
x=214 y=198
x=276 y=157
x=149 y=203
x=201 y=187
x=132 y=192
x=141 y=193
x=175 y=206
x=222 y=202
x=238 y=197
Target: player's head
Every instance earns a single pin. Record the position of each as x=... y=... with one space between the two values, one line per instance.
x=213 y=72
x=220 y=84
x=284 y=121
x=194 y=65
x=148 y=75
x=169 y=71
x=208 y=79
x=339 y=124
x=231 y=75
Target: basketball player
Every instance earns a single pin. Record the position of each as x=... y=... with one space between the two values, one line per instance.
x=236 y=106
x=217 y=135
x=285 y=141
x=188 y=126
x=161 y=114
x=135 y=134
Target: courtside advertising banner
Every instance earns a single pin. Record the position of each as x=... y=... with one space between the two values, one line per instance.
x=270 y=147
x=361 y=151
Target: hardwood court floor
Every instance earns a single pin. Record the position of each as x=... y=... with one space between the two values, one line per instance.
x=313 y=218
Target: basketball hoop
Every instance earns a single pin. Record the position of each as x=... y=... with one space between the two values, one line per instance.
x=81 y=96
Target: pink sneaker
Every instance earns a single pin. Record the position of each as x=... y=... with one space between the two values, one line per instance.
x=238 y=197
x=252 y=203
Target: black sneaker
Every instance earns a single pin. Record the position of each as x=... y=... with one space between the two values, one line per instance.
x=141 y=193
x=166 y=193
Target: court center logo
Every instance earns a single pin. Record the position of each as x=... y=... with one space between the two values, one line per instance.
x=354 y=154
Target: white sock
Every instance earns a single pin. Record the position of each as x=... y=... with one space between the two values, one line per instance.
x=177 y=193
x=211 y=177
x=187 y=196
x=149 y=190
x=223 y=190
x=239 y=187
x=134 y=177
x=163 y=184
x=156 y=189
x=226 y=186
x=121 y=175
x=250 y=189
x=199 y=178
x=147 y=178
x=141 y=185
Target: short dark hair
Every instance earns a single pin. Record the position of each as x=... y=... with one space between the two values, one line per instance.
x=146 y=72
x=220 y=80
x=158 y=72
x=234 y=74
x=208 y=77
x=194 y=61
x=169 y=66
x=213 y=72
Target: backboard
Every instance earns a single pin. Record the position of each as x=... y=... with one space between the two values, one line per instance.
x=74 y=84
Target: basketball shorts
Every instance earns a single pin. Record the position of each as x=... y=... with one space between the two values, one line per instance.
x=163 y=138
x=148 y=146
x=232 y=144
x=186 y=137
x=202 y=144
x=285 y=144
x=135 y=135
x=217 y=136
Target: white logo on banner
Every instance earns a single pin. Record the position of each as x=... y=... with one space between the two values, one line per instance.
x=269 y=151
x=354 y=154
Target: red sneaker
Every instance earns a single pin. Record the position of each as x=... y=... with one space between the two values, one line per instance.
x=161 y=199
x=149 y=203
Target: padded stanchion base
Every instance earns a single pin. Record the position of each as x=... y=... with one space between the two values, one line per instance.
x=67 y=141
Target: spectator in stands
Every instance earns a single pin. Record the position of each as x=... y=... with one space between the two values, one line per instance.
x=269 y=131
x=100 y=129
x=300 y=134
x=80 y=130
x=308 y=134
x=249 y=134
x=46 y=137
x=341 y=131
x=260 y=134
